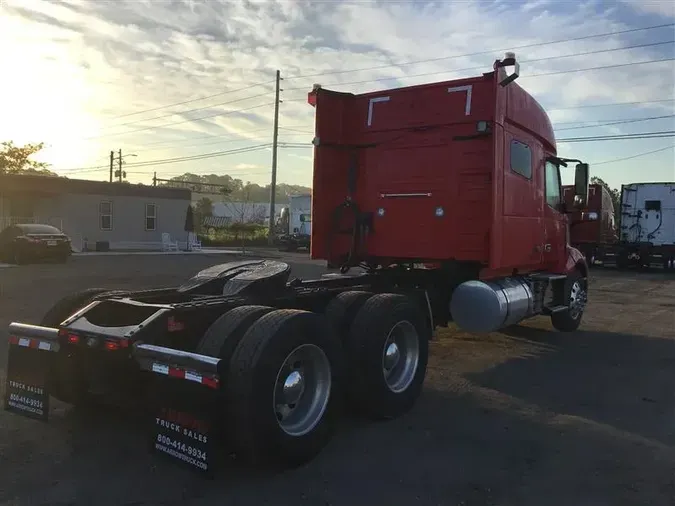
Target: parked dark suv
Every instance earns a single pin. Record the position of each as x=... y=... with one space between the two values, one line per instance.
x=31 y=241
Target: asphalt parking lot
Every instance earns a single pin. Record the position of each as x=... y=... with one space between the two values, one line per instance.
x=522 y=417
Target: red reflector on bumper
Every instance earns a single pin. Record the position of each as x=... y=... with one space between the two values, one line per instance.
x=173 y=325
x=13 y=340
x=174 y=372
x=210 y=382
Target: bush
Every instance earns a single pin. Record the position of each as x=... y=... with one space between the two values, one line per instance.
x=237 y=234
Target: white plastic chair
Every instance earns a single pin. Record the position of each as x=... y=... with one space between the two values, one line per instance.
x=195 y=244
x=167 y=243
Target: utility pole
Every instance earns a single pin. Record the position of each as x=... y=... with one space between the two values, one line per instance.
x=112 y=161
x=119 y=161
x=275 y=139
x=154 y=179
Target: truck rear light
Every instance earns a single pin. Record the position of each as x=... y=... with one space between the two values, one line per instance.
x=117 y=344
x=73 y=339
x=13 y=340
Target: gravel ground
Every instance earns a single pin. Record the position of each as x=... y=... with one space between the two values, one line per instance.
x=522 y=417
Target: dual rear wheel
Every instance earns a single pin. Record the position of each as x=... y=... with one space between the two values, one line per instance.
x=290 y=372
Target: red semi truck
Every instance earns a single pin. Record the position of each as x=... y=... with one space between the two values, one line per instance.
x=461 y=177
x=593 y=229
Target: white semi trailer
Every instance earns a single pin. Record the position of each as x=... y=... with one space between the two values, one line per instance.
x=296 y=223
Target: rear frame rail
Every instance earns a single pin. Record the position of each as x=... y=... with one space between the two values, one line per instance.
x=184 y=365
x=34 y=336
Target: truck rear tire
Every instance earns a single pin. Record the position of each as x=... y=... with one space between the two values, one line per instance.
x=576 y=294
x=223 y=336
x=283 y=388
x=387 y=348
x=343 y=308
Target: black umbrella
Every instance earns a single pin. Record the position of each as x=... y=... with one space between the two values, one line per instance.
x=189 y=225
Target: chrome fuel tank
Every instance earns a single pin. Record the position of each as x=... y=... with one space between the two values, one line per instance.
x=487 y=306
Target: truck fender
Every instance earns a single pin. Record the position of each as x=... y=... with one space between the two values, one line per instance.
x=576 y=261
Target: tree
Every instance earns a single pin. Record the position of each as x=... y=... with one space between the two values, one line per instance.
x=204 y=207
x=17 y=159
x=243 y=207
x=240 y=191
x=615 y=194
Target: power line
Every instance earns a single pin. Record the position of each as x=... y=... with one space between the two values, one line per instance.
x=218 y=141
x=248 y=149
x=294 y=130
x=193 y=100
x=634 y=156
x=366 y=81
x=208 y=136
x=491 y=51
x=641 y=135
x=619 y=122
x=227 y=113
x=611 y=104
x=188 y=110
x=150 y=163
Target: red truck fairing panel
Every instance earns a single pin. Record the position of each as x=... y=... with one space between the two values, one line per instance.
x=420 y=169
x=431 y=182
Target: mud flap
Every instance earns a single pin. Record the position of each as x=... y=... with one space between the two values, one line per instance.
x=31 y=349
x=183 y=397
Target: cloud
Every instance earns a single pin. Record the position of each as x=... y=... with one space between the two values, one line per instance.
x=664 y=8
x=247 y=166
x=88 y=68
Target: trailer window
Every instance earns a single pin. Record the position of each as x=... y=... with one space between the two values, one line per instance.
x=552 y=185
x=521 y=159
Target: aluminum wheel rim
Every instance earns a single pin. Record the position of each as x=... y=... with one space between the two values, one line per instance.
x=302 y=390
x=578 y=299
x=400 y=356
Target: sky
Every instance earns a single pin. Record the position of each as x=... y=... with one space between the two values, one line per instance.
x=168 y=79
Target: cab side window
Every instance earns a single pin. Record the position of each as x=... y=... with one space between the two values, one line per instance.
x=521 y=159
x=553 y=186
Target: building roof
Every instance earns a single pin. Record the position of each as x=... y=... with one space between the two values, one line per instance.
x=50 y=185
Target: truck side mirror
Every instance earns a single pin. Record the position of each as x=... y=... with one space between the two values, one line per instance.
x=581 y=180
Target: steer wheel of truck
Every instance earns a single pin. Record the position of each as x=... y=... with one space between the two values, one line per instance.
x=66 y=384
x=283 y=386
x=387 y=348
x=576 y=293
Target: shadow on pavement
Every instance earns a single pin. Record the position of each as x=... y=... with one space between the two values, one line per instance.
x=623 y=381
x=505 y=437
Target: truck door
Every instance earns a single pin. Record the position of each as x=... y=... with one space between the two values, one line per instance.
x=554 y=245
x=523 y=230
